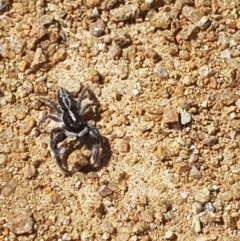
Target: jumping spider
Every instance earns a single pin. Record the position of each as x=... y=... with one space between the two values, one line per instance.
x=70 y=113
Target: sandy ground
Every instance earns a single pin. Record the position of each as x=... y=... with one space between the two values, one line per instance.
x=166 y=74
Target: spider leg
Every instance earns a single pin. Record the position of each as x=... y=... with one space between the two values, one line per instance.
x=50 y=104
x=50 y=116
x=57 y=135
x=96 y=155
x=96 y=147
x=93 y=132
x=81 y=96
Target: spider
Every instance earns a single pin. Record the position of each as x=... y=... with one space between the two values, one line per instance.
x=70 y=113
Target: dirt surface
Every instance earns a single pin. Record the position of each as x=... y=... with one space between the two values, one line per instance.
x=166 y=74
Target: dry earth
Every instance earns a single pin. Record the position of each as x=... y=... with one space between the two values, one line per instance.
x=167 y=75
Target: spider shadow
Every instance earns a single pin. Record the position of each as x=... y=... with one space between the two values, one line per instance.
x=93 y=115
x=78 y=144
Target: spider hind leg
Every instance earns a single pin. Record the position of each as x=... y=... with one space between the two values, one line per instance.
x=58 y=135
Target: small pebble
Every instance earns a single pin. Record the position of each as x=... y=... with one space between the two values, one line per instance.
x=95 y=12
x=228 y=97
x=66 y=237
x=149 y=1
x=161 y=72
x=114 y=51
x=92 y=3
x=124 y=236
x=152 y=54
x=123 y=70
x=204 y=71
x=38 y=60
x=212 y=130
x=210 y=141
x=92 y=175
x=17 y=45
x=29 y=171
x=177 y=9
x=188 y=80
x=97 y=28
x=71 y=84
x=46 y=19
x=124 y=13
x=202 y=195
x=135 y=92
x=186 y=33
x=196 y=224
x=23 y=65
x=209 y=207
x=225 y=196
x=8 y=189
x=106 y=236
x=235 y=190
x=185 y=117
x=104 y=191
x=169 y=235
x=225 y=54
x=203 y=23
x=184 y=195
x=78 y=185
x=20 y=221
x=161 y=20
x=25 y=89
x=27 y=125
x=197 y=207
x=170 y=115
x=147 y=216
x=122 y=39
x=238 y=224
x=92 y=75
x=3 y=159
x=86 y=235
x=193 y=158
x=191 y=13
x=58 y=56
x=124 y=146
x=107 y=227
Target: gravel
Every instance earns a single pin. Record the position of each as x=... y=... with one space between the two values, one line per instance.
x=166 y=74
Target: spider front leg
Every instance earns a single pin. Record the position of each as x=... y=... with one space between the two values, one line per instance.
x=50 y=104
x=81 y=96
x=51 y=117
x=58 y=135
x=55 y=117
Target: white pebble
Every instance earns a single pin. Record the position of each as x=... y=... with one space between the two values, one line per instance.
x=169 y=235
x=185 y=117
x=149 y=1
x=66 y=237
x=135 y=92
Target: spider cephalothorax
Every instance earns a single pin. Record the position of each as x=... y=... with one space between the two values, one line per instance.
x=70 y=113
